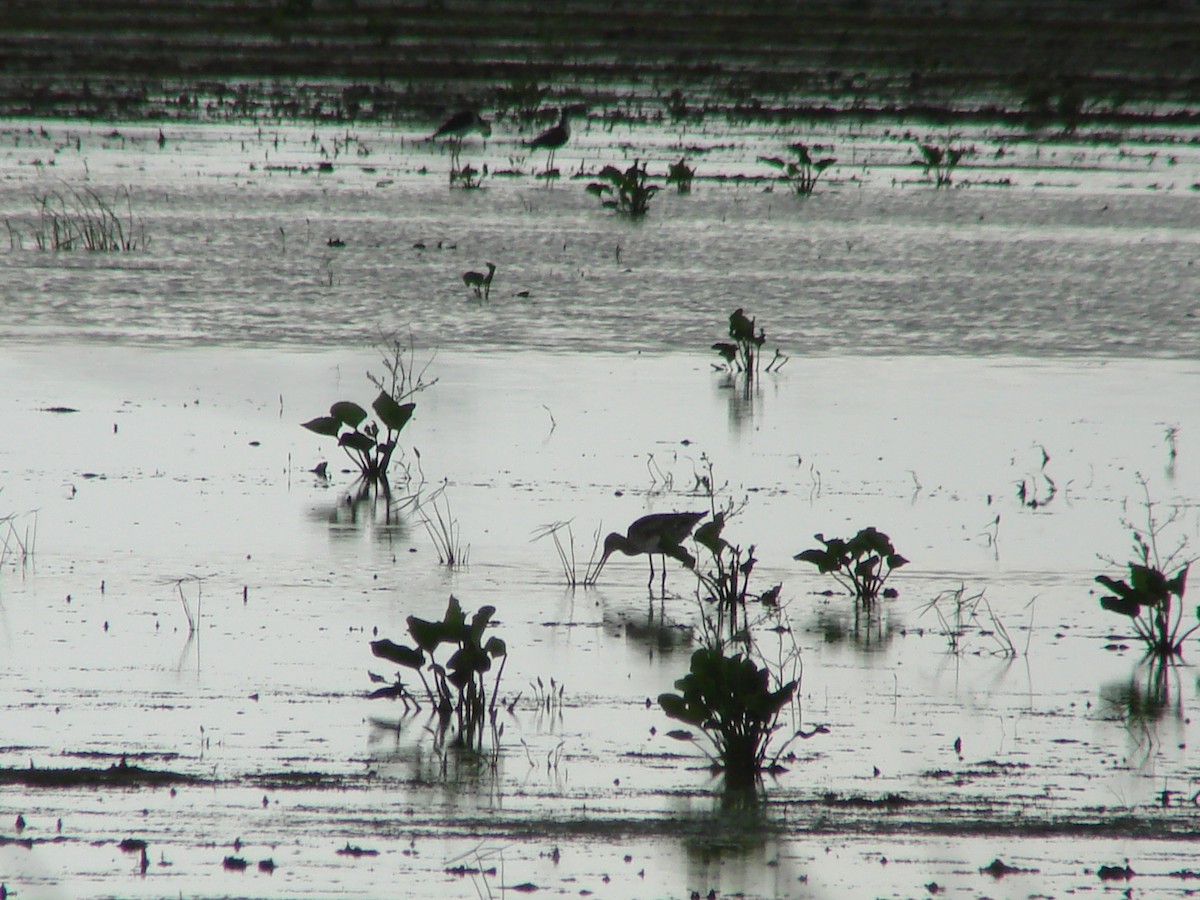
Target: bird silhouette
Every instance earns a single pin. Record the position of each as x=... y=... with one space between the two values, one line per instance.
x=480 y=283
x=659 y=533
x=461 y=124
x=457 y=127
x=553 y=138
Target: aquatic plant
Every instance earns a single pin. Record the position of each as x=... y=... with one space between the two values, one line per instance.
x=724 y=585
x=741 y=354
x=369 y=446
x=802 y=173
x=441 y=526
x=403 y=379
x=547 y=699
x=193 y=618
x=468 y=177
x=1153 y=603
x=626 y=191
x=83 y=219
x=15 y=541
x=729 y=698
x=1150 y=598
x=456 y=688
x=566 y=553
x=959 y=614
x=861 y=564
x=681 y=174
x=942 y=161
x=522 y=97
x=1033 y=495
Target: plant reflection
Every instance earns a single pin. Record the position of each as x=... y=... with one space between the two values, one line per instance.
x=737 y=843
x=368 y=511
x=655 y=635
x=868 y=630
x=1149 y=694
x=744 y=393
x=402 y=743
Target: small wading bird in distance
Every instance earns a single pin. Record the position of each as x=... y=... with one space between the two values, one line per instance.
x=553 y=138
x=661 y=533
x=457 y=127
x=481 y=284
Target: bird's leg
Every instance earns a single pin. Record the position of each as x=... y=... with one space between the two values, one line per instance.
x=663 y=592
x=650 y=583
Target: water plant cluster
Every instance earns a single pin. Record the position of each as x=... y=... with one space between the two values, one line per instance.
x=81 y=218
x=627 y=191
x=741 y=701
x=802 y=172
x=1151 y=598
x=452 y=657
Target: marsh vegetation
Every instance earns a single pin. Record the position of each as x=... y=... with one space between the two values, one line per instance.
x=580 y=394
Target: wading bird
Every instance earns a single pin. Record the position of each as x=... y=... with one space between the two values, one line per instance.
x=480 y=283
x=661 y=533
x=457 y=127
x=553 y=138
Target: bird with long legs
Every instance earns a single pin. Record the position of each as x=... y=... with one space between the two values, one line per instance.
x=659 y=533
x=553 y=138
x=481 y=284
x=457 y=127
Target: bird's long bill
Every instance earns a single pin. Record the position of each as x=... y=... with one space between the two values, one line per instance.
x=591 y=579
x=679 y=553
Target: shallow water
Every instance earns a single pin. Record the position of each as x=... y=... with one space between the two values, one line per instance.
x=187 y=460
x=1051 y=247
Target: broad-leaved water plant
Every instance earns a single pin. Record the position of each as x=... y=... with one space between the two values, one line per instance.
x=681 y=174
x=731 y=701
x=369 y=444
x=741 y=351
x=456 y=687
x=861 y=564
x=802 y=172
x=724 y=583
x=1152 y=597
x=941 y=161
x=625 y=191
x=1153 y=602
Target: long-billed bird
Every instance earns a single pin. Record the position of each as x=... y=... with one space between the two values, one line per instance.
x=457 y=127
x=461 y=124
x=659 y=533
x=553 y=138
